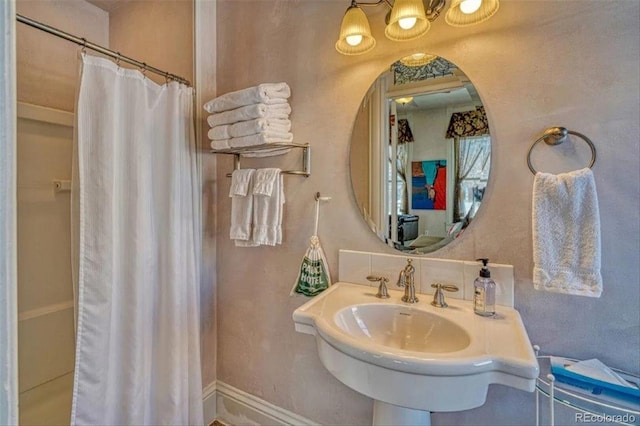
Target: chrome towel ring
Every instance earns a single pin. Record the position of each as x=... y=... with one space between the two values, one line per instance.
x=557 y=135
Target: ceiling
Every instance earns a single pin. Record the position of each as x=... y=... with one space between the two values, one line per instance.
x=108 y=5
x=453 y=97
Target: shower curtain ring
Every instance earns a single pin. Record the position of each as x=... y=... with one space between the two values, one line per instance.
x=144 y=70
x=118 y=58
x=167 y=78
x=84 y=46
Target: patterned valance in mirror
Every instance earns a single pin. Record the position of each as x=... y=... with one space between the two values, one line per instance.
x=468 y=123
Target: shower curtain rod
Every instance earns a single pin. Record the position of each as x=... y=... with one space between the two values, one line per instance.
x=87 y=44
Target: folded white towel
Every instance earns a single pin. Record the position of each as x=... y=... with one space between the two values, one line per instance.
x=259 y=125
x=219 y=133
x=249 y=112
x=220 y=144
x=566 y=234
x=266 y=93
x=266 y=152
x=249 y=127
x=263 y=138
x=241 y=205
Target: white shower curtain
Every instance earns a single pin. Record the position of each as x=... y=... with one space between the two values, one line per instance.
x=137 y=350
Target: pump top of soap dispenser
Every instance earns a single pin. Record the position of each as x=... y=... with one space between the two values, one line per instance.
x=484 y=272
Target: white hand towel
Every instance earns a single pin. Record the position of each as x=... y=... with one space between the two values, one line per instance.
x=258 y=125
x=250 y=127
x=241 y=194
x=265 y=181
x=220 y=144
x=219 y=133
x=266 y=152
x=566 y=234
x=266 y=93
x=267 y=209
x=249 y=112
x=241 y=182
x=263 y=138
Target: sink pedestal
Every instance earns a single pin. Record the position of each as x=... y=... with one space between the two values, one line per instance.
x=391 y=415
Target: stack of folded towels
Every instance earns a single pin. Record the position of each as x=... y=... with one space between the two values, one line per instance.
x=257 y=199
x=249 y=117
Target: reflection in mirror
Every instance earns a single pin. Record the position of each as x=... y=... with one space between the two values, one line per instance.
x=420 y=154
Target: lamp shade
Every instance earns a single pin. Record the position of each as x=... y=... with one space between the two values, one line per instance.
x=407 y=21
x=456 y=16
x=355 y=33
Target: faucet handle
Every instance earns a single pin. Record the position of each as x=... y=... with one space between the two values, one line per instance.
x=447 y=287
x=438 y=296
x=383 y=293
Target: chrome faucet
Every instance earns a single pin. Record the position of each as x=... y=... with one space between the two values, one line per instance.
x=406 y=280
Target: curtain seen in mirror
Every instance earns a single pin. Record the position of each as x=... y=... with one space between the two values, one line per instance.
x=472 y=145
x=473 y=158
x=405 y=135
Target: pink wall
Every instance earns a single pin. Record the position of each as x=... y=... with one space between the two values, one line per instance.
x=535 y=64
x=47 y=66
x=159 y=33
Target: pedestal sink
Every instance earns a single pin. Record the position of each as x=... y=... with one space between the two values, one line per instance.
x=415 y=359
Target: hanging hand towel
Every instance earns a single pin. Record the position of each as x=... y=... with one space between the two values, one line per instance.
x=241 y=193
x=268 y=200
x=265 y=181
x=314 y=276
x=266 y=93
x=263 y=138
x=249 y=112
x=566 y=234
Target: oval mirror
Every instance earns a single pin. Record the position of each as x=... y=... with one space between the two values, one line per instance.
x=420 y=154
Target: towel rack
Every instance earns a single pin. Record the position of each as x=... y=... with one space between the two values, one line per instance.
x=238 y=152
x=555 y=136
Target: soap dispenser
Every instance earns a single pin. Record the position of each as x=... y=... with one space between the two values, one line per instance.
x=484 y=300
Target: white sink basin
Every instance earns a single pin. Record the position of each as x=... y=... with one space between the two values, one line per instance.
x=417 y=356
x=404 y=328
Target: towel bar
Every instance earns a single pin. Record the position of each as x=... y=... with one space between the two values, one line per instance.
x=555 y=136
x=237 y=153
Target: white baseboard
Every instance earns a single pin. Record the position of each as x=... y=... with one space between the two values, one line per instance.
x=209 y=403
x=233 y=407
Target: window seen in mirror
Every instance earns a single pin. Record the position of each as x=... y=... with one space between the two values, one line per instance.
x=474 y=161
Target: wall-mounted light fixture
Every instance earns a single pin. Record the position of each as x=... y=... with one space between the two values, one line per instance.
x=417 y=59
x=407 y=20
x=404 y=101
